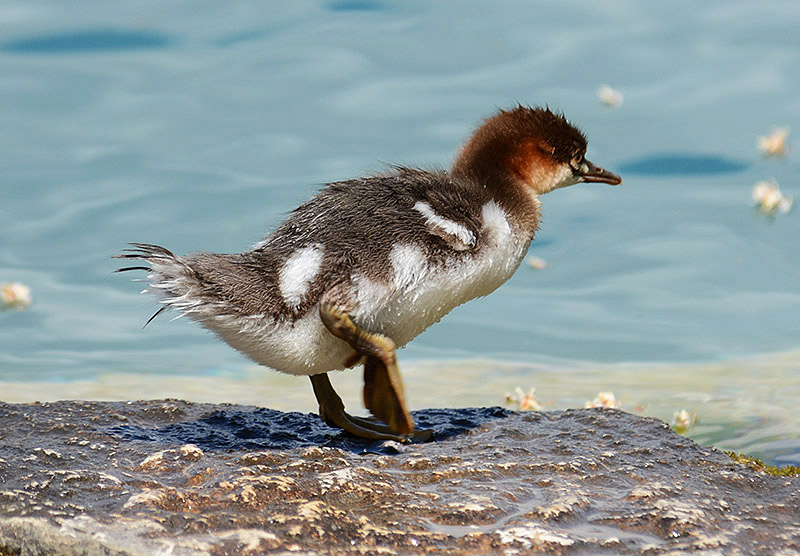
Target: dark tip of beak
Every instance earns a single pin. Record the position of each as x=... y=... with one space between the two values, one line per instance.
x=599 y=175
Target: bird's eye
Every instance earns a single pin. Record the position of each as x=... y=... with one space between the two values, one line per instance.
x=576 y=163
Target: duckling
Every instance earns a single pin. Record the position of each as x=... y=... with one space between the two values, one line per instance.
x=367 y=264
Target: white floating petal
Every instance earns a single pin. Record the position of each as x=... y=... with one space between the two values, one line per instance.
x=768 y=197
x=15 y=296
x=536 y=263
x=603 y=399
x=610 y=96
x=774 y=144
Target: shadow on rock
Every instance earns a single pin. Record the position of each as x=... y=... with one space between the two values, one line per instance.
x=264 y=429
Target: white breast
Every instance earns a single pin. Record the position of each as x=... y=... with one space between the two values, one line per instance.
x=421 y=293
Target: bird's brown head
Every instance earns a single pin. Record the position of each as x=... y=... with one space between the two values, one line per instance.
x=531 y=146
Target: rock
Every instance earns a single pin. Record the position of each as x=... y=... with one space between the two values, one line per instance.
x=179 y=478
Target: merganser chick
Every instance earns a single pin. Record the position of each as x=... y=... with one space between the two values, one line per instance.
x=367 y=264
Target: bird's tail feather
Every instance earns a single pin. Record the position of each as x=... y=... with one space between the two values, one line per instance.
x=178 y=285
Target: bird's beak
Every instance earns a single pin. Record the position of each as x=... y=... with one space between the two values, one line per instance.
x=592 y=173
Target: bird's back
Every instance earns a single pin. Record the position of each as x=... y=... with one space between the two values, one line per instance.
x=350 y=228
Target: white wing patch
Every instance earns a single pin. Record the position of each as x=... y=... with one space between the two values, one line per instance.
x=297 y=272
x=457 y=235
x=409 y=265
x=495 y=222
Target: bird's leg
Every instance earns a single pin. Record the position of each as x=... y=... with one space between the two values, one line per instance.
x=331 y=410
x=384 y=394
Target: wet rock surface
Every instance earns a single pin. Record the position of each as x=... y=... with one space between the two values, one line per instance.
x=172 y=477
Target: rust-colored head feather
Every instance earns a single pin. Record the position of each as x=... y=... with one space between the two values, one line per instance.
x=502 y=136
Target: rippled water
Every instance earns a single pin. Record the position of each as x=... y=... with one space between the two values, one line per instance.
x=198 y=125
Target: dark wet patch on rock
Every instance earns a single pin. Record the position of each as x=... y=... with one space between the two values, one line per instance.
x=237 y=428
x=182 y=478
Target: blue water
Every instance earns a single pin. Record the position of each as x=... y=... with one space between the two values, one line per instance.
x=199 y=125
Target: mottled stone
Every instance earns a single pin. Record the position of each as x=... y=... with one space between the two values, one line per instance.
x=171 y=477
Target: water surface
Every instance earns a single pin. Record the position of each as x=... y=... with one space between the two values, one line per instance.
x=199 y=126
